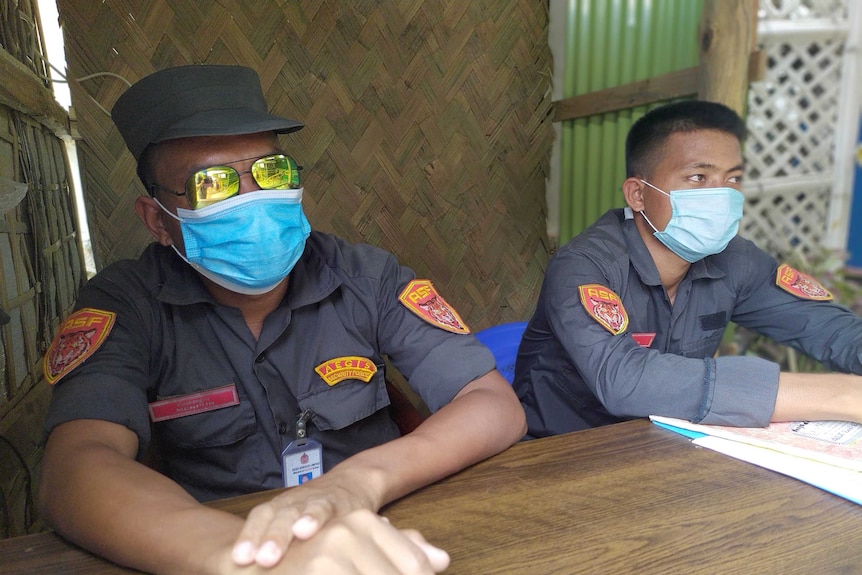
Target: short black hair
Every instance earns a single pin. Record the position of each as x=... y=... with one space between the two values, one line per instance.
x=649 y=133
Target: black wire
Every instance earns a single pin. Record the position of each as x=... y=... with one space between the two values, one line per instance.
x=28 y=491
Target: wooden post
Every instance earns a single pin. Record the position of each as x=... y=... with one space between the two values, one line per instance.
x=728 y=31
x=22 y=90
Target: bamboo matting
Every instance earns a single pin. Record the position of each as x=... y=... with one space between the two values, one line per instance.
x=428 y=127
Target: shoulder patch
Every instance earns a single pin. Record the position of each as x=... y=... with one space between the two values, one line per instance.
x=801 y=285
x=421 y=298
x=605 y=307
x=338 y=369
x=78 y=337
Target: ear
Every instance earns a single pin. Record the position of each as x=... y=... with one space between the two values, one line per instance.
x=633 y=193
x=153 y=217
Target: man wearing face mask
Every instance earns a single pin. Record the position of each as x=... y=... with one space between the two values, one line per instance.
x=632 y=310
x=249 y=350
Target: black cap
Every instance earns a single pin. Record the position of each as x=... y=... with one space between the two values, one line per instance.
x=195 y=100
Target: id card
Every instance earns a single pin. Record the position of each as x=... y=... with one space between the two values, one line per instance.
x=301 y=462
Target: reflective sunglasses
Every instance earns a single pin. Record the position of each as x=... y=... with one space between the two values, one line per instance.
x=217 y=183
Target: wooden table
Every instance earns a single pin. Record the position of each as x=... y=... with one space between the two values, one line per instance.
x=623 y=499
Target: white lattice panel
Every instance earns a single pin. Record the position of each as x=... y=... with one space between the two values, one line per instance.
x=801 y=9
x=792 y=120
x=783 y=223
x=791 y=115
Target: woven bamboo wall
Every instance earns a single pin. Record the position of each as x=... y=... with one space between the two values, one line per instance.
x=41 y=258
x=427 y=124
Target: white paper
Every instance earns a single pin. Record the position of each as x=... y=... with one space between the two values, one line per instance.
x=838 y=444
x=841 y=481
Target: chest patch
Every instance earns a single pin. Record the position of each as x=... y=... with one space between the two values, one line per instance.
x=643 y=339
x=605 y=307
x=421 y=298
x=801 y=285
x=78 y=337
x=338 y=369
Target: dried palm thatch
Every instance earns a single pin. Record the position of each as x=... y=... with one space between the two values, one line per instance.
x=428 y=124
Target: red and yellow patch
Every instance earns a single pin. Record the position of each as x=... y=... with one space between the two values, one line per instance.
x=605 y=307
x=800 y=284
x=77 y=339
x=349 y=367
x=421 y=298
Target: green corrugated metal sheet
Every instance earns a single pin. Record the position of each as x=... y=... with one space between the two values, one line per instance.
x=609 y=43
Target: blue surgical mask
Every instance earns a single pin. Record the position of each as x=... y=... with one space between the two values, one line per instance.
x=247 y=244
x=702 y=222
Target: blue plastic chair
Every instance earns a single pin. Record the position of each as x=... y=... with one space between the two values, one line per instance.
x=503 y=341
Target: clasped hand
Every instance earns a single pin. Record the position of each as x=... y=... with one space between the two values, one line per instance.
x=335 y=526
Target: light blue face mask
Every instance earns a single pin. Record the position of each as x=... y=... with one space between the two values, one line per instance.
x=702 y=222
x=247 y=244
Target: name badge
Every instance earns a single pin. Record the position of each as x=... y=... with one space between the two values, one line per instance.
x=302 y=459
x=301 y=463
x=200 y=402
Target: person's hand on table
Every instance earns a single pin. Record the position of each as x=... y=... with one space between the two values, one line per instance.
x=297 y=513
x=359 y=542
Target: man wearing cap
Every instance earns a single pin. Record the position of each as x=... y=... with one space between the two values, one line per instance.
x=250 y=351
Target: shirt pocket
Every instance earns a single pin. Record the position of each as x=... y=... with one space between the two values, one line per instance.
x=346 y=402
x=704 y=347
x=217 y=428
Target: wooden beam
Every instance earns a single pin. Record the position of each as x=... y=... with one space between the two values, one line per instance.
x=22 y=90
x=676 y=84
x=728 y=30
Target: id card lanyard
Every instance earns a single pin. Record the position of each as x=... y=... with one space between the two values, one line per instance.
x=302 y=459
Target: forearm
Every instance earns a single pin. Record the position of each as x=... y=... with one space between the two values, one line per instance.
x=818 y=396
x=482 y=420
x=129 y=513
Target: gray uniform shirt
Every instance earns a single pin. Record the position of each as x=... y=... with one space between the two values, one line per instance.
x=171 y=339
x=572 y=373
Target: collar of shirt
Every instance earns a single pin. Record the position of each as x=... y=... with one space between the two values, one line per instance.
x=312 y=279
x=181 y=284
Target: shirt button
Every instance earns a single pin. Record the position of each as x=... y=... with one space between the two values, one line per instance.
x=282 y=428
x=260 y=359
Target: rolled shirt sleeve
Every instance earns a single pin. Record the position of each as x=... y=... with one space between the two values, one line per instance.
x=634 y=381
x=574 y=373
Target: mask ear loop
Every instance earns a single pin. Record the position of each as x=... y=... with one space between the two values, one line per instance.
x=642 y=212
x=182 y=257
x=164 y=209
x=655 y=188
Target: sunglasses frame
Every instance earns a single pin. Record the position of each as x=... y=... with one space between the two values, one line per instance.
x=191 y=185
